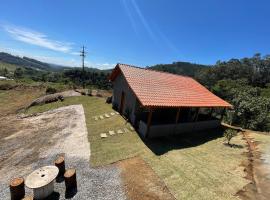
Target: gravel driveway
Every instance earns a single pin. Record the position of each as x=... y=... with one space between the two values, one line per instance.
x=37 y=142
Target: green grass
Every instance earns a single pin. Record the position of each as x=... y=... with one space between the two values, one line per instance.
x=191 y=169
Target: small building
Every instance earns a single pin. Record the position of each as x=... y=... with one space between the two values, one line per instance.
x=160 y=103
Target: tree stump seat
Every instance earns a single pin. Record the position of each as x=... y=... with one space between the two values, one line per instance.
x=60 y=164
x=70 y=180
x=16 y=187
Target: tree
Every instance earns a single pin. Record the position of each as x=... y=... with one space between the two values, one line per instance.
x=18 y=73
x=4 y=72
x=251 y=110
x=229 y=134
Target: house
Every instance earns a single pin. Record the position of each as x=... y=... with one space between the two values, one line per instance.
x=160 y=103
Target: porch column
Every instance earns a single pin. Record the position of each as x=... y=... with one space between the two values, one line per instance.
x=211 y=112
x=197 y=114
x=177 y=115
x=149 y=120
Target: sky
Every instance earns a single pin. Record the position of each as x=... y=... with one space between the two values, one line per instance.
x=136 y=32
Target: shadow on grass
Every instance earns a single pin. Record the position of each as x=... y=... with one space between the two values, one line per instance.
x=236 y=146
x=162 y=145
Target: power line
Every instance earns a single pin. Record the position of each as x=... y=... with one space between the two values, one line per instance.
x=83 y=55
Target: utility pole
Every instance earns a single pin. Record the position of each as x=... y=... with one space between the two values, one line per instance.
x=82 y=54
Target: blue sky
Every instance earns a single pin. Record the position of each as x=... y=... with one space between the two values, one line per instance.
x=138 y=32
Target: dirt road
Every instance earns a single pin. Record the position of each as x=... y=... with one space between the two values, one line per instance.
x=258 y=171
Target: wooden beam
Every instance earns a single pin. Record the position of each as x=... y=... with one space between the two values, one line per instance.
x=177 y=115
x=149 y=120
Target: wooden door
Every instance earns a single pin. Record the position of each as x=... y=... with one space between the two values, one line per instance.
x=122 y=103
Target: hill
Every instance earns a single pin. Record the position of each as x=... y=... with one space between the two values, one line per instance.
x=27 y=62
x=182 y=68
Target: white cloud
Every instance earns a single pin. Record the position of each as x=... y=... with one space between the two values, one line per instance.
x=100 y=65
x=134 y=14
x=36 y=38
x=143 y=19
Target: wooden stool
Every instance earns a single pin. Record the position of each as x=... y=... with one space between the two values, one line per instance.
x=60 y=164
x=70 y=179
x=16 y=188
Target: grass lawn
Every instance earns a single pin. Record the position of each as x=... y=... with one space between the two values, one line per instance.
x=191 y=169
x=9 y=67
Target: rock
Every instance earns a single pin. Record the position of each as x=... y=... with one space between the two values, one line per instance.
x=103 y=135
x=111 y=132
x=120 y=131
x=131 y=128
x=47 y=99
x=94 y=92
x=101 y=117
x=106 y=115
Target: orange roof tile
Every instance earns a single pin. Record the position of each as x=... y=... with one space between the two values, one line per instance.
x=161 y=89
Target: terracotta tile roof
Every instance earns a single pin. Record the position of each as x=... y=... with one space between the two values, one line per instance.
x=161 y=89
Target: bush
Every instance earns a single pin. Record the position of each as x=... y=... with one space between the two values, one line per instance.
x=229 y=134
x=50 y=90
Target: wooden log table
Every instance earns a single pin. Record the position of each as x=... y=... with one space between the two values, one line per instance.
x=42 y=181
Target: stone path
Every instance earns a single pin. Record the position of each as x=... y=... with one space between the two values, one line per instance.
x=117 y=132
x=104 y=116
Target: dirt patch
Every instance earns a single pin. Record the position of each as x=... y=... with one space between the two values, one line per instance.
x=141 y=182
x=257 y=171
x=16 y=99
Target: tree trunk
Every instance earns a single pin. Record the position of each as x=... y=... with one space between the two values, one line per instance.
x=60 y=164
x=17 y=190
x=70 y=180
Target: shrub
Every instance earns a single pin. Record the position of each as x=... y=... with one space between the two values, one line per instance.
x=50 y=90
x=229 y=134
